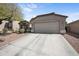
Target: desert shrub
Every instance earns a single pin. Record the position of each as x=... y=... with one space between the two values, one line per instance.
x=5 y=30
x=16 y=31
x=1 y=32
x=21 y=30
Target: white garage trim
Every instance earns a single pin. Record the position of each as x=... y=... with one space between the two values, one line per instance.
x=47 y=27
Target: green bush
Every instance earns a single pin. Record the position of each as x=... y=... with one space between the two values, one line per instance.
x=17 y=31
x=1 y=32
x=21 y=30
x=5 y=30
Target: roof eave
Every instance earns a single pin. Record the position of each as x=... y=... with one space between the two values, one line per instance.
x=46 y=15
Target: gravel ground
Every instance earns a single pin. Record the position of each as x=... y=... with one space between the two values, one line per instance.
x=5 y=39
x=74 y=41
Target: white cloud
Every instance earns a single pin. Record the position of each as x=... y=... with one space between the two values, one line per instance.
x=32 y=5
x=27 y=9
x=72 y=17
x=33 y=16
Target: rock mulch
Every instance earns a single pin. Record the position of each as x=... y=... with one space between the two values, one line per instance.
x=5 y=39
x=74 y=41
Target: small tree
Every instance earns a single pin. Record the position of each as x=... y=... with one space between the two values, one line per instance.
x=10 y=12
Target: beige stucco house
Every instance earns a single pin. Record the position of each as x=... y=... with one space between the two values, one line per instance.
x=73 y=27
x=15 y=25
x=49 y=23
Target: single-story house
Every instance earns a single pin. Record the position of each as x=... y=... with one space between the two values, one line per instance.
x=49 y=23
x=73 y=27
x=15 y=26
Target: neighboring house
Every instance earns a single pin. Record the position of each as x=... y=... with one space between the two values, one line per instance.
x=15 y=26
x=49 y=23
x=2 y=25
x=73 y=27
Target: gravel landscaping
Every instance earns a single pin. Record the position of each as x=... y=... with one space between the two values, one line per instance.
x=5 y=39
x=73 y=40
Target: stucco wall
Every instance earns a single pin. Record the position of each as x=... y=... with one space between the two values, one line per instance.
x=2 y=25
x=74 y=27
x=50 y=18
x=15 y=25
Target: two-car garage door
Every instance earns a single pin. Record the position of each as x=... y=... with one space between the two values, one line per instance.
x=47 y=27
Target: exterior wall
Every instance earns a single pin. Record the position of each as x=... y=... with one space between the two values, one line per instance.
x=2 y=25
x=15 y=25
x=33 y=27
x=74 y=27
x=51 y=18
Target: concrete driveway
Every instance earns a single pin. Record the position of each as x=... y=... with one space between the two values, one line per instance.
x=38 y=45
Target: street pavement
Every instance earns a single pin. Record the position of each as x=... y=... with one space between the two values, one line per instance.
x=35 y=44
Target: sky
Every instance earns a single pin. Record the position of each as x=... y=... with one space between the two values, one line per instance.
x=31 y=10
